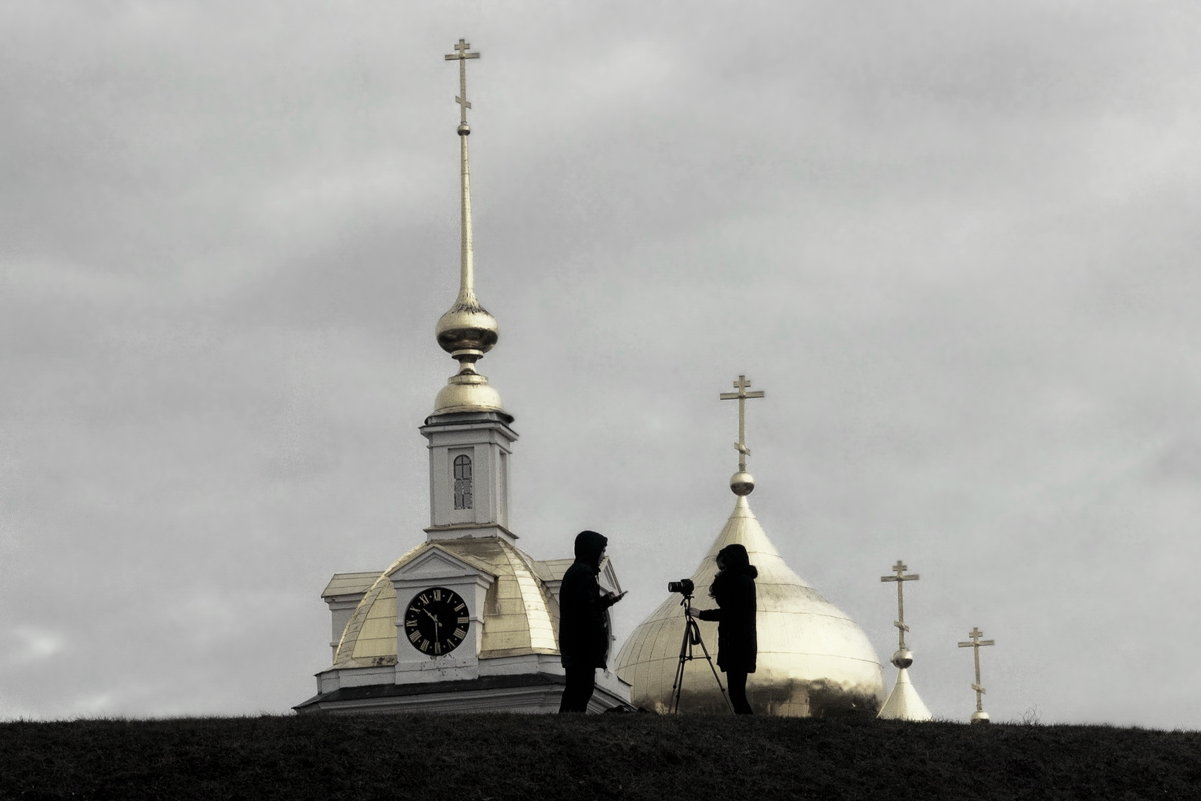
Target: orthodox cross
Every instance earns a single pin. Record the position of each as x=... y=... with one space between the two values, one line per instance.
x=900 y=578
x=975 y=643
x=741 y=396
x=461 y=55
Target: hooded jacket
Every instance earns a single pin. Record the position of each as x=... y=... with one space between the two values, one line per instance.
x=583 y=619
x=734 y=591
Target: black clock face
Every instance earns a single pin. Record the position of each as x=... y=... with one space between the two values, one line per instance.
x=436 y=621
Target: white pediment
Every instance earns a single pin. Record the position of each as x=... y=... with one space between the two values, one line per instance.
x=435 y=563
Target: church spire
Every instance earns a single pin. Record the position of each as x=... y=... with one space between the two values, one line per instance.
x=903 y=702
x=466 y=331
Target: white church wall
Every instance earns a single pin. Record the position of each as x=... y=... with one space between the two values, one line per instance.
x=339 y=678
x=526 y=663
x=488 y=447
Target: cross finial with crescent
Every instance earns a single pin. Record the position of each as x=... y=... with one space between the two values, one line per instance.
x=899 y=568
x=974 y=643
x=741 y=396
x=461 y=55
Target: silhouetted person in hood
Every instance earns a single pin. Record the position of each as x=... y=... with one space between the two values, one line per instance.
x=583 y=621
x=737 y=645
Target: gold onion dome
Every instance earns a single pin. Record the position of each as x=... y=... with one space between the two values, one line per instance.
x=814 y=661
x=467 y=326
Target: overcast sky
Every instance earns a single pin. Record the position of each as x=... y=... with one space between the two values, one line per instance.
x=955 y=242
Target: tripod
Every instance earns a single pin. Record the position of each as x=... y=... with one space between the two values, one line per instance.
x=692 y=636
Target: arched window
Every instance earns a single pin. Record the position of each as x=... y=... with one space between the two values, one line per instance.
x=462 y=481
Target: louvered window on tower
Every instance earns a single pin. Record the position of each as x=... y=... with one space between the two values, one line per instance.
x=463 y=482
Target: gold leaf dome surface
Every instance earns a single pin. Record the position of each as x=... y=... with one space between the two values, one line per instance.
x=813 y=659
x=467 y=392
x=903 y=702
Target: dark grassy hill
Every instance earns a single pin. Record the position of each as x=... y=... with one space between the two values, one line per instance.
x=477 y=757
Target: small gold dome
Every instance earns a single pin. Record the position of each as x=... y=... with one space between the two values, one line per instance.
x=903 y=702
x=467 y=392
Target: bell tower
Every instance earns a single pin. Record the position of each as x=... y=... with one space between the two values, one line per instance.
x=465 y=621
x=469 y=432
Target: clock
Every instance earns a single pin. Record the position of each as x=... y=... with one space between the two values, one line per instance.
x=436 y=621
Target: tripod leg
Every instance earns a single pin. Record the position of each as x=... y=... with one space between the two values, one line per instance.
x=685 y=656
x=692 y=636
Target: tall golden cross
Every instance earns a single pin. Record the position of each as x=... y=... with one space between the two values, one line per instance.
x=900 y=578
x=741 y=396
x=975 y=643
x=461 y=55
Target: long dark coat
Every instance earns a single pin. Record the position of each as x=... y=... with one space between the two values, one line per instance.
x=583 y=619
x=737 y=642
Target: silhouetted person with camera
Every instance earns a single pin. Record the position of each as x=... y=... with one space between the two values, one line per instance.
x=737 y=646
x=583 y=621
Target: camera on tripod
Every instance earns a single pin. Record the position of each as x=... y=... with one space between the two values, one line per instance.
x=692 y=637
x=683 y=586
